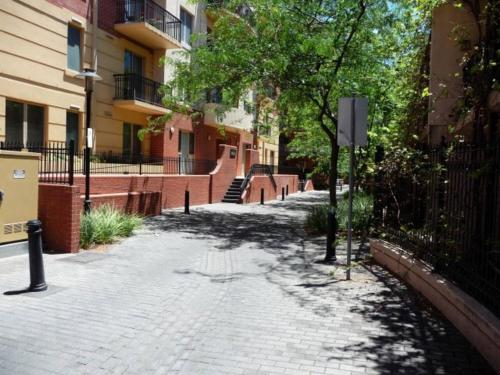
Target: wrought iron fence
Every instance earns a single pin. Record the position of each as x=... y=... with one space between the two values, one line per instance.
x=59 y=162
x=115 y=163
x=131 y=86
x=150 y=12
x=448 y=215
x=56 y=161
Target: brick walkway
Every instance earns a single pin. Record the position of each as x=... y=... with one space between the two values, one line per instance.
x=230 y=289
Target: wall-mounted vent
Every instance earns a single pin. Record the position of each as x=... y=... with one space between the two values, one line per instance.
x=12 y=228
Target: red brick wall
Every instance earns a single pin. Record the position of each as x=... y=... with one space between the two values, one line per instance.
x=223 y=174
x=171 y=188
x=252 y=194
x=107 y=15
x=309 y=186
x=80 y=7
x=144 y=203
x=59 y=210
x=252 y=158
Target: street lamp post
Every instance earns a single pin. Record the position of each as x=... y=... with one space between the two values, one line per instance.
x=90 y=76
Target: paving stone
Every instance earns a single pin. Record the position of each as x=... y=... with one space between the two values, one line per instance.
x=229 y=289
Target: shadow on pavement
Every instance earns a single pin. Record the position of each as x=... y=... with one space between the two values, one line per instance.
x=391 y=327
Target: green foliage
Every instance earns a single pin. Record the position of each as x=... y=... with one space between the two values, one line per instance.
x=105 y=224
x=362 y=211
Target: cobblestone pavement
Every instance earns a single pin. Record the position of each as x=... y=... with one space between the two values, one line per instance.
x=229 y=289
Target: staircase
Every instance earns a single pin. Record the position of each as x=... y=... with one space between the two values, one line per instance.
x=233 y=194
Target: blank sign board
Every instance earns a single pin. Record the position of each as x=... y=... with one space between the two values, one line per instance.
x=346 y=121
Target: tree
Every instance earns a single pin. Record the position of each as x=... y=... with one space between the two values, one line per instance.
x=312 y=52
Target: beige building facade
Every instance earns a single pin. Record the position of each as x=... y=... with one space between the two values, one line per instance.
x=45 y=43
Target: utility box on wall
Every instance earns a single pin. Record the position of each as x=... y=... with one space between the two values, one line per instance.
x=18 y=193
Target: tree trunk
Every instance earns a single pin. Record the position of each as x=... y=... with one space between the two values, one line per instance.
x=331 y=235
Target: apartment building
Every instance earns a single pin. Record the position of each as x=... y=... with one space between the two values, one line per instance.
x=45 y=43
x=456 y=29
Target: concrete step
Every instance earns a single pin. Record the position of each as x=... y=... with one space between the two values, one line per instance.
x=231 y=201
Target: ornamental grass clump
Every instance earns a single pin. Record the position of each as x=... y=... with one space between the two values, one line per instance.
x=362 y=209
x=105 y=224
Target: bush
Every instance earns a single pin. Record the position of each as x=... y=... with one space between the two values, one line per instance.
x=105 y=224
x=362 y=210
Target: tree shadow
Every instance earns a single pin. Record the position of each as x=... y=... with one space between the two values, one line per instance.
x=393 y=330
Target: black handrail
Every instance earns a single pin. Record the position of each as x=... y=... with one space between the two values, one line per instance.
x=258 y=169
x=150 y=12
x=131 y=86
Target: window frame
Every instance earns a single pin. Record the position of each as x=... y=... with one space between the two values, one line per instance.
x=78 y=128
x=182 y=16
x=80 y=47
x=25 y=123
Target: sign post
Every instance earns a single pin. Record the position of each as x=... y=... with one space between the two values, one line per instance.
x=352 y=132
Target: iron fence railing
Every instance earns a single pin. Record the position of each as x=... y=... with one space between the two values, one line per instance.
x=114 y=163
x=59 y=163
x=150 y=12
x=130 y=86
x=447 y=213
x=258 y=169
x=56 y=160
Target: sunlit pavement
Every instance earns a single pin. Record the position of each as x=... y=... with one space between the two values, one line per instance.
x=228 y=289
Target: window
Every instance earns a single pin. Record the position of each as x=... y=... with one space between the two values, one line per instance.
x=186 y=27
x=24 y=123
x=132 y=63
x=74 y=48
x=130 y=141
x=186 y=143
x=72 y=128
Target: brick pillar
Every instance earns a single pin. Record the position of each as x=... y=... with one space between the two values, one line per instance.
x=224 y=174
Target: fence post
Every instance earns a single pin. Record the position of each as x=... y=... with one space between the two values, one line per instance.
x=71 y=162
x=140 y=164
x=286 y=189
x=262 y=196
x=282 y=193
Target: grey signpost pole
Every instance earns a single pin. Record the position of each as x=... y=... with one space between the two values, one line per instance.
x=352 y=132
x=351 y=188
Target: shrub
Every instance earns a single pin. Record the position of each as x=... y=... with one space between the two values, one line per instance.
x=105 y=224
x=362 y=209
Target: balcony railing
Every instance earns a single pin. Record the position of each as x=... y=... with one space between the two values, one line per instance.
x=131 y=86
x=150 y=12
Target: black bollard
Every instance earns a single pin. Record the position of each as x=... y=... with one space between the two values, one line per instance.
x=302 y=186
x=186 y=202
x=282 y=193
x=262 y=196
x=331 y=253
x=287 y=190
x=37 y=274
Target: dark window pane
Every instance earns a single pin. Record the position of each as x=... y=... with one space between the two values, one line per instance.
x=14 y=122
x=127 y=146
x=186 y=26
x=72 y=120
x=136 y=142
x=133 y=63
x=35 y=124
x=191 y=143
x=74 y=50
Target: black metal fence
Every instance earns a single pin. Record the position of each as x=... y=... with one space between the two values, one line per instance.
x=59 y=163
x=56 y=161
x=150 y=12
x=114 y=163
x=447 y=213
x=131 y=86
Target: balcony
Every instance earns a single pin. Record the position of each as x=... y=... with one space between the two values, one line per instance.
x=148 y=23
x=137 y=93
